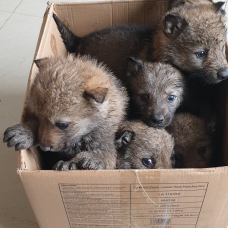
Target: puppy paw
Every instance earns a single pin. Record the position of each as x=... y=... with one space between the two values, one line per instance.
x=90 y=163
x=18 y=136
x=65 y=165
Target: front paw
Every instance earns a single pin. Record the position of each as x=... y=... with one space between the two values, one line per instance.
x=90 y=163
x=18 y=136
x=65 y=165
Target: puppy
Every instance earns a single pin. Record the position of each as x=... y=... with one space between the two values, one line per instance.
x=193 y=141
x=75 y=106
x=143 y=147
x=155 y=89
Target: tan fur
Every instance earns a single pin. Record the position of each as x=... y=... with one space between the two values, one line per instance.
x=204 y=31
x=83 y=93
x=193 y=141
x=146 y=142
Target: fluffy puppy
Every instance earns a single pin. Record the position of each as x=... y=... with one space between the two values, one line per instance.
x=75 y=106
x=193 y=141
x=155 y=89
x=143 y=147
x=191 y=37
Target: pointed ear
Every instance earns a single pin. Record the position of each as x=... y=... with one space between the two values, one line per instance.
x=174 y=24
x=133 y=66
x=218 y=8
x=40 y=62
x=123 y=137
x=98 y=94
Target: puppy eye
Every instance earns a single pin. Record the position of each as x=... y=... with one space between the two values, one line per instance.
x=171 y=98
x=173 y=157
x=148 y=162
x=200 y=54
x=144 y=96
x=176 y=157
x=202 y=150
x=61 y=126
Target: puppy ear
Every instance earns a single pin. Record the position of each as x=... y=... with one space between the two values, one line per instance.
x=174 y=24
x=98 y=94
x=133 y=66
x=123 y=137
x=218 y=8
x=40 y=62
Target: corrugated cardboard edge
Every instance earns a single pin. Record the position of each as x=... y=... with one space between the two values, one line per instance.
x=43 y=32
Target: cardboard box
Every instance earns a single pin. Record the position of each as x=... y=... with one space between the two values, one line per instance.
x=119 y=198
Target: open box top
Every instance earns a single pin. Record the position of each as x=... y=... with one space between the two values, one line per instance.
x=119 y=198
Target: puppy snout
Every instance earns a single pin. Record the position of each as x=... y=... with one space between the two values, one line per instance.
x=45 y=148
x=157 y=118
x=223 y=73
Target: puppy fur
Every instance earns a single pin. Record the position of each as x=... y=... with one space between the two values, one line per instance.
x=193 y=141
x=143 y=147
x=186 y=31
x=155 y=89
x=81 y=93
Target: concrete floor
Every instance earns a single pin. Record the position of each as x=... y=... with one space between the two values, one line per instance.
x=20 y=22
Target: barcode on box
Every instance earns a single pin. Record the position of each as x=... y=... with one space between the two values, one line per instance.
x=160 y=221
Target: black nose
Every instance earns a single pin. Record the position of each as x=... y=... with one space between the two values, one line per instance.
x=158 y=119
x=223 y=74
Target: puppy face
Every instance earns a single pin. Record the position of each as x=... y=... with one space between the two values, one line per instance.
x=193 y=141
x=141 y=147
x=72 y=98
x=197 y=39
x=156 y=90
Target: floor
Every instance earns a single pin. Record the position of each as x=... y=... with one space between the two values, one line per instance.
x=20 y=22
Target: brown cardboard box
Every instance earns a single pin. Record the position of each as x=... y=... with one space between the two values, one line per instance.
x=119 y=198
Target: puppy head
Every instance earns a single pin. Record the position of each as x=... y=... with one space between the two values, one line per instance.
x=193 y=141
x=72 y=97
x=156 y=90
x=143 y=147
x=197 y=41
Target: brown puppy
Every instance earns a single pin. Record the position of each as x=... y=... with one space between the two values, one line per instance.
x=192 y=38
x=193 y=141
x=75 y=105
x=155 y=89
x=143 y=147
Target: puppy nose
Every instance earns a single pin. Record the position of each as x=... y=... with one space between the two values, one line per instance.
x=45 y=148
x=158 y=119
x=222 y=74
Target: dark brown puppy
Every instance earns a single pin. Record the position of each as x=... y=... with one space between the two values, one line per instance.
x=192 y=38
x=193 y=141
x=75 y=105
x=155 y=89
x=143 y=147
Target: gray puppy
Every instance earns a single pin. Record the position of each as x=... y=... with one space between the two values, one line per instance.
x=143 y=147
x=155 y=89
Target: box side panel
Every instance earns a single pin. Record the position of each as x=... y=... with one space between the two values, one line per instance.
x=86 y=18
x=154 y=198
